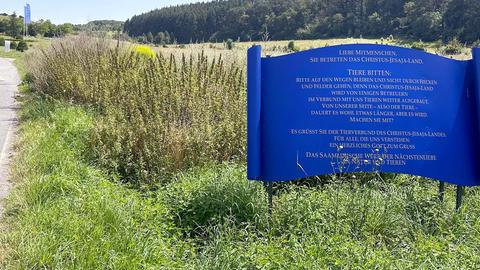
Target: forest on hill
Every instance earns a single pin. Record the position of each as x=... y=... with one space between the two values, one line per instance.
x=100 y=26
x=246 y=20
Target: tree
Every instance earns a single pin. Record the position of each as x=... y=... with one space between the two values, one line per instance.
x=423 y=20
x=49 y=28
x=65 y=29
x=168 y=39
x=15 y=26
x=462 y=19
x=150 y=37
x=292 y=19
x=40 y=28
x=3 y=24
x=160 y=39
x=375 y=24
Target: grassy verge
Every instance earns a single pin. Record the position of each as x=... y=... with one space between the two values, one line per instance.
x=67 y=214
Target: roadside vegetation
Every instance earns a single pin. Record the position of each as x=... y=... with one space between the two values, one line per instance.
x=128 y=161
x=158 y=114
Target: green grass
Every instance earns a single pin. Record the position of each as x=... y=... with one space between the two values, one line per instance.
x=66 y=214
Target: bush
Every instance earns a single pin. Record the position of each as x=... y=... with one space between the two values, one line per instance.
x=476 y=44
x=291 y=46
x=22 y=46
x=159 y=115
x=145 y=51
x=419 y=46
x=13 y=45
x=2 y=41
x=453 y=47
x=229 y=44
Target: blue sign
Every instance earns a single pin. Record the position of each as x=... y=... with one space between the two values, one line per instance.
x=363 y=108
x=28 y=15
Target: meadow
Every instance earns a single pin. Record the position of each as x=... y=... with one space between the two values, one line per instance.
x=129 y=159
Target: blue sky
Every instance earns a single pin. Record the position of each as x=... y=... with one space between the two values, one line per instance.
x=82 y=11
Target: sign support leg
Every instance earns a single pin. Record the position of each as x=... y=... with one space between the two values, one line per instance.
x=441 y=191
x=460 y=191
x=269 y=187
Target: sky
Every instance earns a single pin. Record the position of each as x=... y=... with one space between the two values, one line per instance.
x=83 y=11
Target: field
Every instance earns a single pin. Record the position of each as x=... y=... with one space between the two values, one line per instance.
x=128 y=161
x=274 y=48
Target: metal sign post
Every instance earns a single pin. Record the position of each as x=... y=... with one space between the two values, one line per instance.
x=460 y=191
x=441 y=191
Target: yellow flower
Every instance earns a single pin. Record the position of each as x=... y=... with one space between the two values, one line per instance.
x=145 y=50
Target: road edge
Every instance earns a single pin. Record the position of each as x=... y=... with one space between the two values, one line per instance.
x=7 y=149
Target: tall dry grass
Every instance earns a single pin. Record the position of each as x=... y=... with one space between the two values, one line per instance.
x=158 y=115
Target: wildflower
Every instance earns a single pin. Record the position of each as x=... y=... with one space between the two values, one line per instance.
x=145 y=51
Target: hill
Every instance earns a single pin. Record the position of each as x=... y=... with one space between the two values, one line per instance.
x=310 y=19
x=100 y=25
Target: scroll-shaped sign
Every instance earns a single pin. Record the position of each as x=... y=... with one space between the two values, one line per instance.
x=362 y=107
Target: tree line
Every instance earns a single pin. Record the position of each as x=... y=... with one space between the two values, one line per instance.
x=100 y=26
x=13 y=26
x=245 y=20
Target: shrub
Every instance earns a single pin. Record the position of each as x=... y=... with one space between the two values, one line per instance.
x=22 y=46
x=419 y=46
x=13 y=45
x=476 y=44
x=2 y=41
x=291 y=46
x=145 y=51
x=453 y=47
x=158 y=115
x=229 y=44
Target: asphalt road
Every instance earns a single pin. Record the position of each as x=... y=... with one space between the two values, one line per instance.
x=9 y=80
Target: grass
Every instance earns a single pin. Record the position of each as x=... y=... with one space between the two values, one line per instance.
x=161 y=114
x=67 y=212
x=275 y=48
